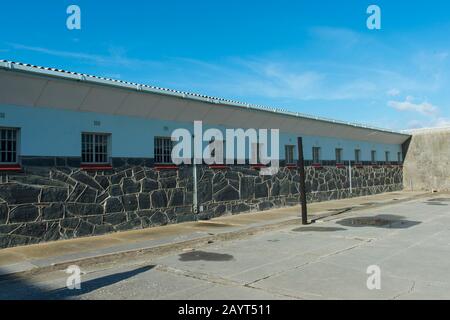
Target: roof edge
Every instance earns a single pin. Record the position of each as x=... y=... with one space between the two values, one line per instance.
x=59 y=73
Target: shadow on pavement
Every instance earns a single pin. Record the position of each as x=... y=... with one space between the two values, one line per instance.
x=15 y=288
x=387 y=221
x=318 y=229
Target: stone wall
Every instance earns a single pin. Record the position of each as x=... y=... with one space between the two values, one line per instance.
x=52 y=203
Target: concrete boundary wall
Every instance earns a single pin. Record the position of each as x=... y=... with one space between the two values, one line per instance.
x=427 y=160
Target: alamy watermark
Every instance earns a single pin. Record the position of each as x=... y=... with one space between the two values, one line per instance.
x=73 y=21
x=374 y=280
x=74 y=280
x=374 y=20
x=212 y=147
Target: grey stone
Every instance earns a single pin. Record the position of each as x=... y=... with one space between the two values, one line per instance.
x=113 y=205
x=129 y=186
x=247 y=187
x=84 y=209
x=115 y=218
x=149 y=185
x=53 y=194
x=87 y=196
x=226 y=194
x=159 y=199
x=35 y=230
x=84 y=229
x=24 y=213
x=261 y=190
x=87 y=180
x=159 y=218
x=144 y=201
x=204 y=191
x=176 y=198
x=168 y=183
x=13 y=193
x=130 y=202
x=115 y=190
x=3 y=213
x=53 y=211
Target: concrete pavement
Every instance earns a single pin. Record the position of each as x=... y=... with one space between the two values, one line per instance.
x=163 y=240
x=408 y=241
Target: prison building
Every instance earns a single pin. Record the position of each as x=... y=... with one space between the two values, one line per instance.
x=83 y=155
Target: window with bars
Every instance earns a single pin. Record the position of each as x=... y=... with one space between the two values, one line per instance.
x=339 y=155
x=357 y=156
x=387 y=156
x=8 y=145
x=289 y=154
x=374 y=156
x=94 y=147
x=316 y=155
x=400 y=157
x=163 y=149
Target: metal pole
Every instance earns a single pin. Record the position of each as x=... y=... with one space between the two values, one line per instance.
x=350 y=175
x=301 y=167
x=194 y=181
x=194 y=191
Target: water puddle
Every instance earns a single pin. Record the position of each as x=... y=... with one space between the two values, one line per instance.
x=205 y=256
x=380 y=221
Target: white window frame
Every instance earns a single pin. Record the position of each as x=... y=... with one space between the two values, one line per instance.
x=289 y=154
x=16 y=143
x=164 y=144
x=95 y=144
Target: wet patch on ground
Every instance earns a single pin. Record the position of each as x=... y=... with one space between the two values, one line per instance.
x=205 y=256
x=380 y=221
x=439 y=200
x=318 y=229
x=212 y=225
x=341 y=210
x=436 y=204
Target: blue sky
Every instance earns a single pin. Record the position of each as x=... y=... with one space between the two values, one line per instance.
x=315 y=57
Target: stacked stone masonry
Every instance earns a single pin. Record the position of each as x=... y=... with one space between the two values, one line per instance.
x=52 y=203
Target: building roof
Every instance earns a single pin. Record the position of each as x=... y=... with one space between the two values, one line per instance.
x=25 y=84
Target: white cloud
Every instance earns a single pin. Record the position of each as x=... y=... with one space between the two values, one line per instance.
x=393 y=92
x=409 y=105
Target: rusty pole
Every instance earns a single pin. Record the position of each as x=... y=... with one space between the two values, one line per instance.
x=301 y=168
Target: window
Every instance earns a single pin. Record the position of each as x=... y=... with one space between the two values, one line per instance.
x=94 y=148
x=289 y=154
x=338 y=155
x=8 y=145
x=163 y=150
x=357 y=156
x=400 y=157
x=316 y=155
x=387 y=156
x=374 y=156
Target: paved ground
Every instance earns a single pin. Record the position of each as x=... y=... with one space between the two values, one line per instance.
x=410 y=242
